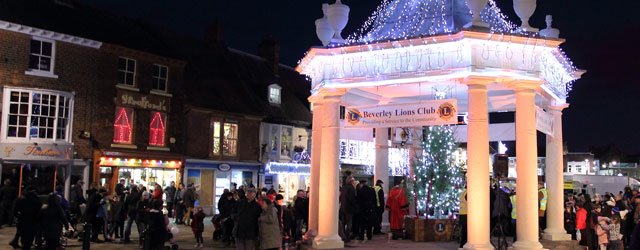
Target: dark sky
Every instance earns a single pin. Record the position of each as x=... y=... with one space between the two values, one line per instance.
x=602 y=38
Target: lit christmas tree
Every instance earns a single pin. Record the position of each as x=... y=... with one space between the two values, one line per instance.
x=437 y=177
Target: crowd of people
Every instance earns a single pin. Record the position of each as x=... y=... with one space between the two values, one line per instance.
x=610 y=221
x=250 y=219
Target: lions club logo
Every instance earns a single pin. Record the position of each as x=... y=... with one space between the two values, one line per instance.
x=446 y=111
x=353 y=116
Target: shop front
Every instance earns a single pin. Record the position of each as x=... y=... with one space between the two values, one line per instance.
x=287 y=178
x=144 y=169
x=43 y=166
x=211 y=178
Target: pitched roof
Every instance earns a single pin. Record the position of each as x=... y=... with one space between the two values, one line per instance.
x=78 y=20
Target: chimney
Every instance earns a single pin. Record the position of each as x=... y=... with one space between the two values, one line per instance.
x=269 y=49
x=214 y=33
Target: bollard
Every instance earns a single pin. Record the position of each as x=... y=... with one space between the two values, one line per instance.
x=86 y=236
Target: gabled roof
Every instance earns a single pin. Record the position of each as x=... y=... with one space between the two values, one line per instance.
x=75 y=19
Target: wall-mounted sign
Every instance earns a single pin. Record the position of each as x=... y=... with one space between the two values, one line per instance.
x=30 y=151
x=429 y=113
x=224 y=167
x=544 y=121
x=137 y=100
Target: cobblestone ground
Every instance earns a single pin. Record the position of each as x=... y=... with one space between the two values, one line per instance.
x=186 y=241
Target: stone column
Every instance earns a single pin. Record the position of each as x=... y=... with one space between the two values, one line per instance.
x=555 y=180
x=328 y=237
x=67 y=180
x=527 y=167
x=314 y=179
x=381 y=171
x=478 y=169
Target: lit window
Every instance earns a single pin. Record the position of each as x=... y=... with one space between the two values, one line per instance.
x=274 y=94
x=230 y=143
x=123 y=126
x=41 y=56
x=37 y=114
x=225 y=139
x=126 y=71
x=160 y=76
x=286 y=141
x=157 y=129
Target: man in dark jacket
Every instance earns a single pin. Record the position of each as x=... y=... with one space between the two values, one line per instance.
x=189 y=199
x=246 y=216
x=226 y=208
x=121 y=189
x=367 y=203
x=93 y=205
x=301 y=211
x=131 y=205
x=377 y=228
x=7 y=198
x=27 y=210
x=348 y=206
x=170 y=193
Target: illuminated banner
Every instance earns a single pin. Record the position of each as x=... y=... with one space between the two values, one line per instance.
x=429 y=113
x=33 y=151
x=544 y=121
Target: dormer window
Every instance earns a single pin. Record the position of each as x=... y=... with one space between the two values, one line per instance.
x=41 y=57
x=275 y=94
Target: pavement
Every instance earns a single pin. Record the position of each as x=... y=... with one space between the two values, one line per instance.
x=185 y=240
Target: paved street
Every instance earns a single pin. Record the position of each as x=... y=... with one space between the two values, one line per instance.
x=186 y=241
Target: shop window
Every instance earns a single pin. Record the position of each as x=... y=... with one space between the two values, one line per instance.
x=160 y=76
x=157 y=129
x=274 y=140
x=275 y=94
x=42 y=54
x=126 y=71
x=225 y=139
x=286 y=143
x=123 y=126
x=36 y=114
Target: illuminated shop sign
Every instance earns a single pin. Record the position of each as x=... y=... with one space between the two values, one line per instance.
x=30 y=151
x=133 y=162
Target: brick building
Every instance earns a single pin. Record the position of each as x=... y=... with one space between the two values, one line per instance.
x=86 y=94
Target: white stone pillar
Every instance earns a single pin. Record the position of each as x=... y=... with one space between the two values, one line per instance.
x=314 y=179
x=85 y=178
x=527 y=168
x=478 y=236
x=381 y=170
x=328 y=237
x=555 y=180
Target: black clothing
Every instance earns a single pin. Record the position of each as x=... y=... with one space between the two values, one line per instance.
x=367 y=202
x=570 y=223
x=51 y=222
x=93 y=205
x=27 y=210
x=301 y=209
x=7 y=198
x=247 y=220
x=348 y=199
x=157 y=229
x=189 y=198
x=131 y=203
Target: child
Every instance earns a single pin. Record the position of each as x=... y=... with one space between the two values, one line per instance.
x=197 y=226
x=115 y=216
x=615 y=238
x=602 y=228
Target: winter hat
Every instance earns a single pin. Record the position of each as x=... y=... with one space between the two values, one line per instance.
x=279 y=197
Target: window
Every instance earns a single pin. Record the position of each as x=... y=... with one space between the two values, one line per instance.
x=42 y=55
x=123 y=126
x=126 y=71
x=157 y=129
x=160 y=76
x=286 y=142
x=37 y=114
x=274 y=94
x=225 y=139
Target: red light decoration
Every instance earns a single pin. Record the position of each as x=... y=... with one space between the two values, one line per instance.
x=157 y=129
x=122 y=126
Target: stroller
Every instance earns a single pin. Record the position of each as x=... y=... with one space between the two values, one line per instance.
x=216 y=220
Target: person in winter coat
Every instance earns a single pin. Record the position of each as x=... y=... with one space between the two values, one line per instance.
x=7 y=198
x=157 y=225
x=189 y=202
x=51 y=222
x=570 y=221
x=131 y=205
x=398 y=207
x=94 y=214
x=269 y=228
x=170 y=193
x=115 y=215
x=379 y=207
x=179 y=204
x=225 y=214
x=157 y=192
x=367 y=202
x=246 y=216
x=27 y=210
x=197 y=226
x=348 y=206
x=301 y=211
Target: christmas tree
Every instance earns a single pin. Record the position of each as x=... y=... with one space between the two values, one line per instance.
x=437 y=177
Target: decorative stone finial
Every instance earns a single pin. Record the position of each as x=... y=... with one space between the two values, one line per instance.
x=476 y=6
x=524 y=9
x=338 y=15
x=550 y=32
x=324 y=31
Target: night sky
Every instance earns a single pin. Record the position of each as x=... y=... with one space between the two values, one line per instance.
x=602 y=38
